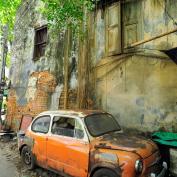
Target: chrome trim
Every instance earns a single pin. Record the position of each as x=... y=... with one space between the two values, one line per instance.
x=162 y=173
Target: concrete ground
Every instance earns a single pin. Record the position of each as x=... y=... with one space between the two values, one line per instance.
x=11 y=165
x=7 y=167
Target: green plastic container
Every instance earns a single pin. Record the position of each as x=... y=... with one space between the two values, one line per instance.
x=165 y=138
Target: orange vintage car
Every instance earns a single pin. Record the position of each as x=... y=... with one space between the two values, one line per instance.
x=88 y=144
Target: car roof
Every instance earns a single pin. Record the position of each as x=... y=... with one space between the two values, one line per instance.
x=79 y=113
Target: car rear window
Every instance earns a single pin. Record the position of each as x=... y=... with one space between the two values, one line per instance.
x=41 y=124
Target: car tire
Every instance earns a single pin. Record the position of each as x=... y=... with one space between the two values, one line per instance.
x=104 y=173
x=27 y=158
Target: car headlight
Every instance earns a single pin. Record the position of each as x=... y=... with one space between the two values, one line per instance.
x=139 y=166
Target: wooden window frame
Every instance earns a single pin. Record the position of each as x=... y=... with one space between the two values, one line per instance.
x=110 y=27
x=134 y=24
x=37 y=44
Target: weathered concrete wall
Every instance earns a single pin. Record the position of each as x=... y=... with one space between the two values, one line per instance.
x=29 y=18
x=24 y=98
x=159 y=17
x=140 y=91
x=140 y=20
x=140 y=88
x=135 y=88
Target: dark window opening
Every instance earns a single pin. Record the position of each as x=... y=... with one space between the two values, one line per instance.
x=66 y=126
x=172 y=53
x=63 y=126
x=40 y=42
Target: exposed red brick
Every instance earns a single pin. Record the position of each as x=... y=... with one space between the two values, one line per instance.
x=46 y=84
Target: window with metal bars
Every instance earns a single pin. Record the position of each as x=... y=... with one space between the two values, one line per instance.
x=40 y=42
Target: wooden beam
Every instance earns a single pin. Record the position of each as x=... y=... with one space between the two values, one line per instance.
x=151 y=39
x=66 y=66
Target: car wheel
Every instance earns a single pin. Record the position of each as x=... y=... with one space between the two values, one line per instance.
x=104 y=173
x=27 y=158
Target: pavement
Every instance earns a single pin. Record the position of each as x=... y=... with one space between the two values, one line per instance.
x=11 y=164
x=7 y=167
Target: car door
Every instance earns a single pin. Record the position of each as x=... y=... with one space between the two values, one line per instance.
x=65 y=152
x=38 y=133
x=77 y=148
x=56 y=151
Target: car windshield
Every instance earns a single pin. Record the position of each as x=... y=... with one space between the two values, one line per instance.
x=100 y=124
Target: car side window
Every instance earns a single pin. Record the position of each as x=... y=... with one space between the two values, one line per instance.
x=41 y=124
x=66 y=126
x=79 y=132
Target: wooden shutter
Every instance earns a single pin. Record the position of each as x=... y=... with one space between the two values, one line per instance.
x=113 y=29
x=131 y=20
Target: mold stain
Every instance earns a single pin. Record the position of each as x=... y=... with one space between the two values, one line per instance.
x=157 y=4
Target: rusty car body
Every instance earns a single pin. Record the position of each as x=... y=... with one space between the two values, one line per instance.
x=88 y=144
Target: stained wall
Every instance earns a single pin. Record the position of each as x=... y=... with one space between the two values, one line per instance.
x=37 y=85
x=139 y=85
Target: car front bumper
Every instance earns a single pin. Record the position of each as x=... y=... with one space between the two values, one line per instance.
x=162 y=173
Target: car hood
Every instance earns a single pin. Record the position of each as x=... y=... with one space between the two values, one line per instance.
x=120 y=141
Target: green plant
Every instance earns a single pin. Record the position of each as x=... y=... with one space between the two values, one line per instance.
x=8 y=10
x=66 y=13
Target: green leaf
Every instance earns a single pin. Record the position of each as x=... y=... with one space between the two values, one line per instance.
x=66 y=13
x=8 y=9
